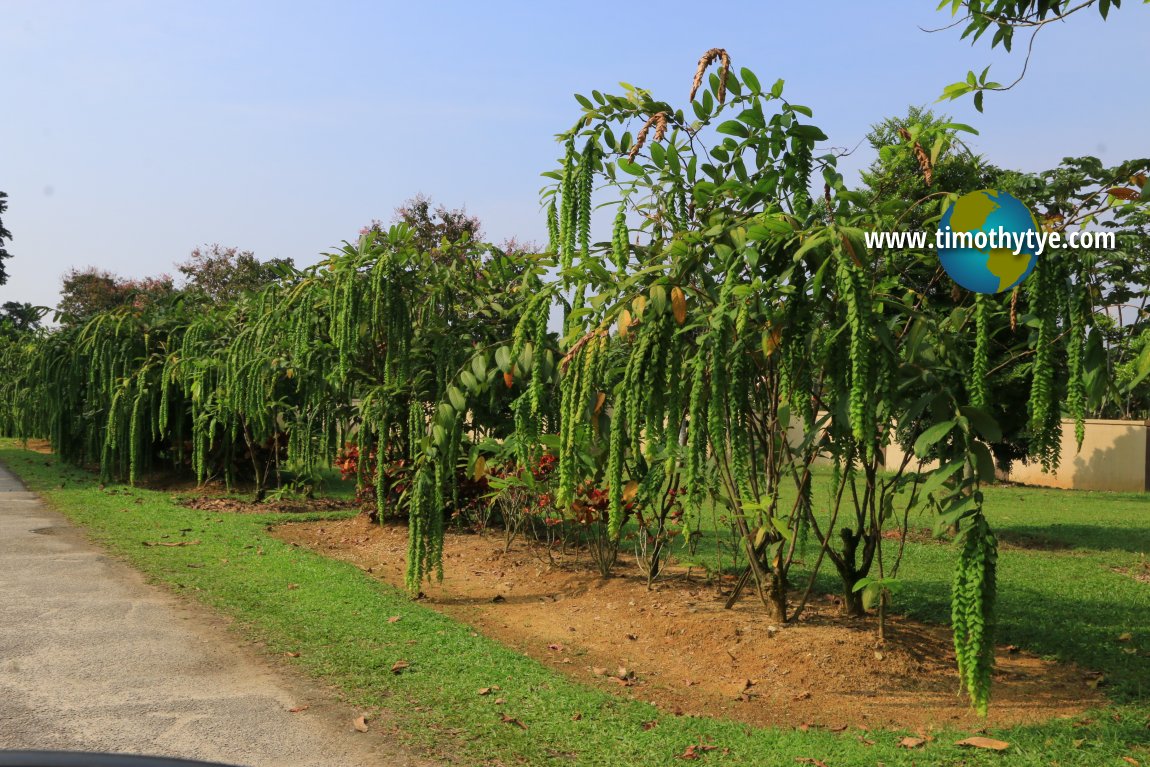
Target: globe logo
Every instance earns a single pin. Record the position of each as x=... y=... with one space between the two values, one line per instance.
x=988 y=241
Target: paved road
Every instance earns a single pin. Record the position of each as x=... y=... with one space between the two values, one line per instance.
x=93 y=658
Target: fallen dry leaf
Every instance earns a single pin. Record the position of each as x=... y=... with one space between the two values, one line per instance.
x=599 y=671
x=360 y=724
x=1132 y=761
x=694 y=750
x=555 y=647
x=512 y=720
x=810 y=760
x=298 y=709
x=980 y=742
x=399 y=666
x=395 y=619
x=483 y=691
x=500 y=701
x=650 y=725
x=837 y=728
x=910 y=742
x=171 y=543
x=1125 y=636
x=576 y=717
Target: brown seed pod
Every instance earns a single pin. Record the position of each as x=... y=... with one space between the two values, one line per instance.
x=659 y=120
x=708 y=58
x=920 y=155
x=1014 y=310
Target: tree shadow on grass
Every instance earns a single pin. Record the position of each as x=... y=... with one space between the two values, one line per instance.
x=1087 y=630
x=1057 y=536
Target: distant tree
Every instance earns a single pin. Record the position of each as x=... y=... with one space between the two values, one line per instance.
x=90 y=291
x=4 y=235
x=513 y=246
x=220 y=274
x=433 y=224
x=18 y=317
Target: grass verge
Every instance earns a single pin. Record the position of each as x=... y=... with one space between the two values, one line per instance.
x=336 y=618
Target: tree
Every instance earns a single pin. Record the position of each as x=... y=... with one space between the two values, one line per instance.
x=17 y=318
x=221 y=274
x=88 y=292
x=433 y=224
x=1006 y=17
x=4 y=235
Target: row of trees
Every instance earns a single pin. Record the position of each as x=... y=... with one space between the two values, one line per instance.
x=729 y=331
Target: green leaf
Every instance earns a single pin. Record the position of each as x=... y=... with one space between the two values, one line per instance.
x=751 y=81
x=634 y=168
x=469 y=380
x=956 y=511
x=734 y=128
x=658 y=299
x=783 y=528
x=984 y=461
x=939 y=476
x=931 y=437
x=983 y=423
x=1142 y=365
x=808 y=132
x=458 y=401
x=503 y=359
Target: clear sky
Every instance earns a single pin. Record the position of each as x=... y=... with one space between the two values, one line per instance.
x=130 y=132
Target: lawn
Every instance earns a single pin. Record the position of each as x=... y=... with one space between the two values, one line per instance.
x=1062 y=596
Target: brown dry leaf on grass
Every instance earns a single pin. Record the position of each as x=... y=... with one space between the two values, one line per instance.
x=987 y=743
x=360 y=724
x=513 y=721
x=695 y=750
x=399 y=666
x=910 y=742
x=172 y=544
x=395 y=619
x=810 y=760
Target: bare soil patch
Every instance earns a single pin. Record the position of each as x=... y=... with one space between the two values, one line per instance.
x=677 y=647
x=238 y=506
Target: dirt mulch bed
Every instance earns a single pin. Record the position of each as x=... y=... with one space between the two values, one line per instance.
x=677 y=647
x=237 y=506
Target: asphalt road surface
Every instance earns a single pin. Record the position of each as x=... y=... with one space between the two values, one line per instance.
x=93 y=658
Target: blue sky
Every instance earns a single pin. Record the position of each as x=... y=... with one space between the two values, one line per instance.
x=130 y=132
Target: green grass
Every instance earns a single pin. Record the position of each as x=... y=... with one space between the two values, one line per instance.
x=1064 y=603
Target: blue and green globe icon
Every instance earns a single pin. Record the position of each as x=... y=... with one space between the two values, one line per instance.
x=984 y=242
